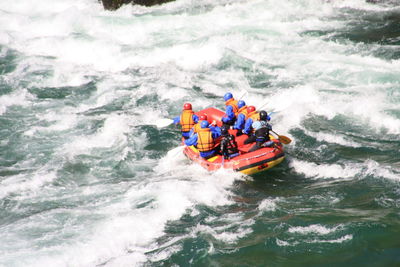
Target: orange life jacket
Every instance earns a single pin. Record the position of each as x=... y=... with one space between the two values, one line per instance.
x=205 y=142
x=232 y=102
x=196 y=127
x=242 y=110
x=255 y=116
x=187 y=120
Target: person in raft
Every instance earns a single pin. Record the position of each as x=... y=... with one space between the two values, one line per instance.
x=228 y=145
x=261 y=134
x=212 y=126
x=231 y=108
x=253 y=116
x=204 y=139
x=187 y=120
x=241 y=117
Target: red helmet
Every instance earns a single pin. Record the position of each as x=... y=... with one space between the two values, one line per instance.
x=187 y=106
x=250 y=109
x=203 y=117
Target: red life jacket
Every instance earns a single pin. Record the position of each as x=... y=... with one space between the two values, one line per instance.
x=232 y=102
x=205 y=142
x=187 y=120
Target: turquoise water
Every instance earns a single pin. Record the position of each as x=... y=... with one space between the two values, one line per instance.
x=88 y=179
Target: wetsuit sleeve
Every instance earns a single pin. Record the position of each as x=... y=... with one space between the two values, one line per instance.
x=239 y=122
x=191 y=132
x=215 y=134
x=215 y=129
x=191 y=141
x=247 y=126
x=195 y=118
x=229 y=114
x=177 y=119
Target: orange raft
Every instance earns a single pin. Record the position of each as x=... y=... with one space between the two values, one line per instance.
x=246 y=162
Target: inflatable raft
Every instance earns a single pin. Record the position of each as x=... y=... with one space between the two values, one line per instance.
x=246 y=162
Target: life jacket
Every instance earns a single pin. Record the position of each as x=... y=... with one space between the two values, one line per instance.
x=255 y=116
x=242 y=110
x=187 y=120
x=197 y=127
x=205 y=142
x=234 y=103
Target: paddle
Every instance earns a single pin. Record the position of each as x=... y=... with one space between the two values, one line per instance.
x=239 y=98
x=161 y=123
x=283 y=139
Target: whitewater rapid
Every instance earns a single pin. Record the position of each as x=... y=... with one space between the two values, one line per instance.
x=88 y=179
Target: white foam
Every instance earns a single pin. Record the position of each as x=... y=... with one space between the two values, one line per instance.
x=334 y=138
x=314 y=229
x=129 y=232
x=110 y=135
x=22 y=184
x=234 y=227
x=268 y=205
x=349 y=171
x=19 y=98
x=283 y=243
x=324 y=170
x=332 y=241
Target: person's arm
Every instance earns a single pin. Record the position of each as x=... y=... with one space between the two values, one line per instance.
x=215 y=134
x=229 y=114
x=215 y=129
x=195 y=118
x=239 y=122
x=247 y=126
x=177 y=119
x=192 y=140
x=191 y=132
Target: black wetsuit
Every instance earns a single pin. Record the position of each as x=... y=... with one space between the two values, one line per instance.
x=228 y=146
x=260 y=137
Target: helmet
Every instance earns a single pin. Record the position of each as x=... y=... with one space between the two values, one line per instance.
x=251 y=109
x=263 y=115
x=241 y=103
x=224 y=129
x=228 y=96
x=203 y=117
x=187 y=106
x=204 y=124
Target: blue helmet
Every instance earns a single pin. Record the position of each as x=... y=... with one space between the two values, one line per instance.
x=204 y=124
x=228 y=96
x=241 y=103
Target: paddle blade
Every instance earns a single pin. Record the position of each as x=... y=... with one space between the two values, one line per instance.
x=284 y=139
x=161 y=123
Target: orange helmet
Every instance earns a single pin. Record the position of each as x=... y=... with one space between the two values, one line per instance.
x=250 y=109
x=187 y=106
x=203 y=117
